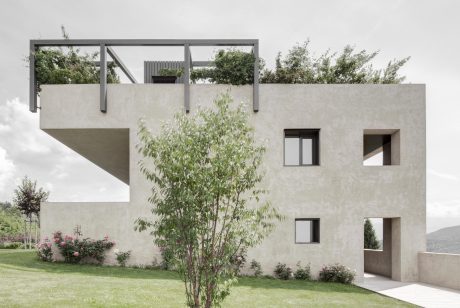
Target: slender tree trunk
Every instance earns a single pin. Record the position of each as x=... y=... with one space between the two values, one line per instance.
x=24 y=239
x=30 y=232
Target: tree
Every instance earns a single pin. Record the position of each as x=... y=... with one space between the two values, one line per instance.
x=69 y=66
x=299 y=66
x=232 y=66
x=28 y=198
x=370 y=239
x=10 y=221
x=206 y=199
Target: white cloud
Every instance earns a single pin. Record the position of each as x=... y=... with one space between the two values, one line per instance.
x=7 y=169
x=442 y=175
x=443 y=208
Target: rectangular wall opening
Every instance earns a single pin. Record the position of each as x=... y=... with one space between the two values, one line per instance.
x=381 y=147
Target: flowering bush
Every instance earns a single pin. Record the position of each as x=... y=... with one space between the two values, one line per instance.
x=74 y=249
x=44 y=251
x=282 y=271
x=122 y=257
x=337 y=273
x=302 y=273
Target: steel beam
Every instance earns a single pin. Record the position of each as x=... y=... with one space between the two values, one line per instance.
x=146 y=42
x=255 y=86
x=187 y=77
x=103 y=78
x=32 y=79
x=120 y=63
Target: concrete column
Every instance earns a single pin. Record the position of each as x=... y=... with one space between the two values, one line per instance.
x=396 y=249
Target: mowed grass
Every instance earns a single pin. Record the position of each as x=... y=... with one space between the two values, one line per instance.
x=28 y=282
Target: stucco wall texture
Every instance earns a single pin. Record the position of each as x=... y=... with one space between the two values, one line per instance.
x=441 y=269
x=340 y=191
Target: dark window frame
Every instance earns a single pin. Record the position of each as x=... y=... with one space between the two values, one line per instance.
x=301 y=134
x=315 y=230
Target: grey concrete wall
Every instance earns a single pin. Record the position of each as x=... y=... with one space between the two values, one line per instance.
x=441 y=269
x=341 y=191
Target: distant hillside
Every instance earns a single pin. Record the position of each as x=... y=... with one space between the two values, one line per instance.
x=445 y=240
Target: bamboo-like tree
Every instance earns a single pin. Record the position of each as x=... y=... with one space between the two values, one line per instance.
x=206 y=204
x=27 y=197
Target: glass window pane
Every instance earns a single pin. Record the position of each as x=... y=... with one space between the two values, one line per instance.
x=307 y=151
x=291 y=151
x=303 y=231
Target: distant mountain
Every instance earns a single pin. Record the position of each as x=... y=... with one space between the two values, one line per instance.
x=444 y=240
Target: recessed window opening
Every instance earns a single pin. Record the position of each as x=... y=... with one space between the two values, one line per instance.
x=301 y=147
x=306 y=230
x=380 y=147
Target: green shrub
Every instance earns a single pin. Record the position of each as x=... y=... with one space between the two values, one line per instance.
x=167 y=259
x=11 y=222
x=302 y=273
x=256 y=267
x=337 y=273
x=282 y=271
x=177 y=72
x=238 y=260
x=122 y=257
x=11 y=245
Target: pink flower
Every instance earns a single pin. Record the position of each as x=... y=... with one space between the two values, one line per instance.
x=76 y=254
x=56 y=240
x=62 y=244
x=49 y=245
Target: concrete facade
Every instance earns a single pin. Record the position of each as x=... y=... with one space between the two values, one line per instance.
x=441 y=269
x=341 y=192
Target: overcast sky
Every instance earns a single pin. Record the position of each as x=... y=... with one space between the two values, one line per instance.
x=428 y=31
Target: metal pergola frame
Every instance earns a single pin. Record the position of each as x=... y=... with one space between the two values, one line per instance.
x=105 y=47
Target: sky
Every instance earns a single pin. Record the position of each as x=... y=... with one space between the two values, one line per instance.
x=427 y=31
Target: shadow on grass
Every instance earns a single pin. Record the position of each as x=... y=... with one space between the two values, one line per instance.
x=26 y=261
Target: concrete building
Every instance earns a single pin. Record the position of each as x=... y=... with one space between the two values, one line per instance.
x=317 y=139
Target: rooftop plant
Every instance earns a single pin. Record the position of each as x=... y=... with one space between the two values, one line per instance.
x=300 y=65
x=69 y=65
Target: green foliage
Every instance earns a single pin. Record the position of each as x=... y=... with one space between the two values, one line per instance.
x=28 y=198
x=204 y=170
x=231 y=67
x=370 y=238
x=337 y=273
x=69 y=66
x=11 y=221
x=302 y=273
x=282 y=271
x=299 y=66
x=122 y=257
x=177 y=72
x=256 y=268
x=74 y=250
x=11 y=245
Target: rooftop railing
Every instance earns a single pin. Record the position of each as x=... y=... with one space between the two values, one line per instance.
x=106 y=48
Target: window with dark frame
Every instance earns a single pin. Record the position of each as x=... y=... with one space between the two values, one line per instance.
x=306 y=230
x=301 y=147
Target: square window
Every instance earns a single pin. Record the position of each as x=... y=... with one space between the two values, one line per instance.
x=381 y=147
x=306 y=230
x=301 y=147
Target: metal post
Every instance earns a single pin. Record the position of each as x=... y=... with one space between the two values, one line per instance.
x=187 y=77
x=32 y=79
x=255 y=86
x=103 y=78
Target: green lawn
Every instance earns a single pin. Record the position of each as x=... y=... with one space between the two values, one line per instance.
x=25 y=281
